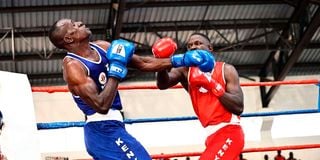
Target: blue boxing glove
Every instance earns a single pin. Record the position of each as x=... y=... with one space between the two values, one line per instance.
x=208 y=61
x=201 y=58
x=119 y=53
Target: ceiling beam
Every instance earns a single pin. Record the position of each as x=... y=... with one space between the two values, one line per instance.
x=202 y=3
x=85 y=6
x=118 y=19
x=46 y=8
x=315 y=2
x=297 y=51
x=32 y=56
x=268 y=66
x=145 y=51
x=165 y=26
x=193 y=25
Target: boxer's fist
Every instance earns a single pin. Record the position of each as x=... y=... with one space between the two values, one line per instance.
x=201 y=58
x=119 y=53
x=208 y=61
x=200 y=79
x=164 y=48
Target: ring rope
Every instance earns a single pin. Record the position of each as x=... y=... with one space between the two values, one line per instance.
x=52 y=89
x=246 y=150
x=319 y=96
x=57 y=125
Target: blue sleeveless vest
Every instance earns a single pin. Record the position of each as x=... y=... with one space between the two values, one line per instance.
x=98 y=72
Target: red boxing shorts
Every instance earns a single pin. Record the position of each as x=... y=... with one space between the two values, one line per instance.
x=225 y=144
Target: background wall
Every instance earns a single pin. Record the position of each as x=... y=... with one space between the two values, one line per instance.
x=150 y=103
x=175 y=102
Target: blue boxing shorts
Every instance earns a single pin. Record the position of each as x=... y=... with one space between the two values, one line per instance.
x=109 y=140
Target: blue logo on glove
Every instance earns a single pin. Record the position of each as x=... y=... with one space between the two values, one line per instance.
x=116 y=69
x=119 y=50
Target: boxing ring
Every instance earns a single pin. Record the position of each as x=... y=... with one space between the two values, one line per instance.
x=273 y=118
x=57 y=125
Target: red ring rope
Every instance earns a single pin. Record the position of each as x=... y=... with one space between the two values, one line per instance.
x=52 y=89
x=265 y=149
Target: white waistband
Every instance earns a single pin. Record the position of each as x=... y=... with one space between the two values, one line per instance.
x=214 y=128
x=111 y=115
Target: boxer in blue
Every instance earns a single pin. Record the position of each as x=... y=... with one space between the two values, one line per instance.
x=93 y=70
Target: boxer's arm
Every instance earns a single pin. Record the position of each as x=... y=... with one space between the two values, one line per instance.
x=103 y=44
x=232 y=99
x=167 y=79
x=191 y=58
x=82 y=85
x=149 y=64
x=143 y=63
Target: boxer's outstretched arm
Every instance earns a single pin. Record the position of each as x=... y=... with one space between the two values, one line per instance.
x=82 y=85
x=149 y=64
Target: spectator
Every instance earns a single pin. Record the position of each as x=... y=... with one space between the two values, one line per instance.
x=266 y=157
x=291 y=156
x=187 y=158
x=3 y=157
x=241 y=157
x=164 y=158
x=279 y=156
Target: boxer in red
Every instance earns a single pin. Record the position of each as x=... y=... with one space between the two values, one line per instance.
x=216 y=97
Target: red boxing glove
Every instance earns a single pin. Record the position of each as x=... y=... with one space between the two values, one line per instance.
x=200 y=79
x=164 y=48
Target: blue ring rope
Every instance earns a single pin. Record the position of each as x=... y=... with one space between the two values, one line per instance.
x=319 y=97
x=58 y=125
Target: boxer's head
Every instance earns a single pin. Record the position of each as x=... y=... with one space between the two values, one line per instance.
x=65 y=33
x=199 y=41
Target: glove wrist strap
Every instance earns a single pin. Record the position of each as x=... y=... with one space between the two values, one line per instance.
x=177 y=60
x=117 y=70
